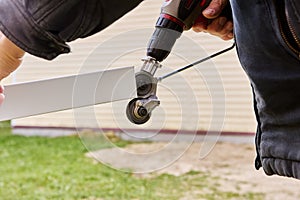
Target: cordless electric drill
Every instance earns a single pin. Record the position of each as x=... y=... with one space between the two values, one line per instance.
x=176 y=16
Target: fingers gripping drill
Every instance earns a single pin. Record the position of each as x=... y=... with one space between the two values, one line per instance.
x=176 y=16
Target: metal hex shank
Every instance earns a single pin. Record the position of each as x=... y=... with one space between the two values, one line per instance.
x=150 y=65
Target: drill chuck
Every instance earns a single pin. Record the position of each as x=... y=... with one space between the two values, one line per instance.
x=168 y=29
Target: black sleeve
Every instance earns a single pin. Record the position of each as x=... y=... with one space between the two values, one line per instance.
x=42 y=27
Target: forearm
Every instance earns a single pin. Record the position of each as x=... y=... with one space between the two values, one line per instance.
x=10 y=57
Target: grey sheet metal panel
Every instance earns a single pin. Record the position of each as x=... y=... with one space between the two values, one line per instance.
x=50 y=95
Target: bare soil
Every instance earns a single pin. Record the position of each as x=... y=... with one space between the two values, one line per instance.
x=232 y=163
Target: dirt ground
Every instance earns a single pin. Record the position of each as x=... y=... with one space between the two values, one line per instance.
x=232 y=163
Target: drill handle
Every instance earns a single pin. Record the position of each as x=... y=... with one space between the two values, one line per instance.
x=185 y=11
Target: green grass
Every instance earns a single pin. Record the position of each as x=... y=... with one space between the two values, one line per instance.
x=43 y=168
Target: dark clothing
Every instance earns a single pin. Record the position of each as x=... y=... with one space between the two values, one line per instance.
x=267 y=34
x=269 y=53
x=42 y=27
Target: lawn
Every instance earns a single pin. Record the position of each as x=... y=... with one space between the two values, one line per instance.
x=57 y=168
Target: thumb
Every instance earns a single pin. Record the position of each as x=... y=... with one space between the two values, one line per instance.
x=214 y=9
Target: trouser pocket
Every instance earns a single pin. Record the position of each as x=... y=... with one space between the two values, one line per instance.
x=289 y=24
x=292 y=11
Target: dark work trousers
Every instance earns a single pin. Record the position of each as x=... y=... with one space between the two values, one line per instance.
x=267 y=33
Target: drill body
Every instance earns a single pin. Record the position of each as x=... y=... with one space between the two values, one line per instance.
x=176 y=16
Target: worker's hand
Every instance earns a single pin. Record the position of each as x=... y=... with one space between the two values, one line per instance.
x=211 y=22
x=10 y=59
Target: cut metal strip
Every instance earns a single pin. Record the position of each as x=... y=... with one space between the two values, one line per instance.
x=51 y=95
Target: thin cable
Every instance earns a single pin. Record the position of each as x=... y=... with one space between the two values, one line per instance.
x=196 y=63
